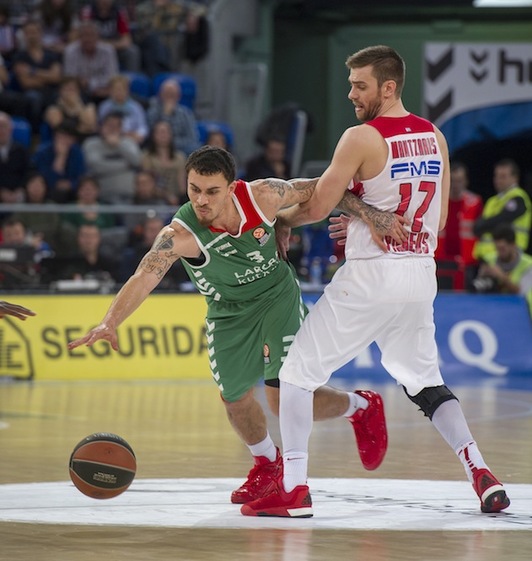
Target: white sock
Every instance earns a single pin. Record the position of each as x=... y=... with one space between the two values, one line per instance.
x=295 y=470
x=451 y=424
x=450 y=421
x=355 y=402
x=264 y=448
x=295 y=419
x=471 y=458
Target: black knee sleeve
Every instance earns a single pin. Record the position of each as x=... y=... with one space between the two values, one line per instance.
x=429 y=399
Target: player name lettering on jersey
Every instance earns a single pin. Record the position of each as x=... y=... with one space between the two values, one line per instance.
x=417 y=242
x=409 y=147
x=257 y=272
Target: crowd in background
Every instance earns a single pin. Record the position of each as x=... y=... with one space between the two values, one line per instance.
x=66 y=70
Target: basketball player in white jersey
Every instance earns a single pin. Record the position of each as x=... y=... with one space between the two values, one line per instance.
x=398 y=162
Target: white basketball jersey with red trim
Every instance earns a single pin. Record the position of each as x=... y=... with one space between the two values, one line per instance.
x=409 y=185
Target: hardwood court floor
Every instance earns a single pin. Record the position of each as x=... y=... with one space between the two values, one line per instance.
x=179 y=430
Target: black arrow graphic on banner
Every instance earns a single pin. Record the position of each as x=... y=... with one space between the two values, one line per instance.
x=478 y=76
x=434 y=112
x=437 y=68
x=478 y=58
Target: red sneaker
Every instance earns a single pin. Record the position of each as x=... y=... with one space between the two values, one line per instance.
x=370 y=430
x=262 y=474
x=490 y=491
x=296 y=504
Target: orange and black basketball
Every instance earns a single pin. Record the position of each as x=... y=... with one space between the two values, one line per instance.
x=102 y=465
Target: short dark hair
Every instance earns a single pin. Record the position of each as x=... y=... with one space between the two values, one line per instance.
x=386 y=62
x=504 y=232
x=210 y=160
x=509 y=163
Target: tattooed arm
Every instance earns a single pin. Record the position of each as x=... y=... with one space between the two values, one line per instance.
x=172 y=242
x=273 y=194
x=381 y=223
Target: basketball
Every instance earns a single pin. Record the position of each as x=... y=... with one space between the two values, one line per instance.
x=102 y=465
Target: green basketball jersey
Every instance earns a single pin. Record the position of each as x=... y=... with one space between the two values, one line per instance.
x=235 y=268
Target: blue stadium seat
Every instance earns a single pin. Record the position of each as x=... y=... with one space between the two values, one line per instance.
x=206 y=127
x=187 y=83
x=21 y=131
x=139 y=83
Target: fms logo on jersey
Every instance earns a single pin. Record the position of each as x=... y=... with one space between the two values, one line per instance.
x=410 y=169
x=261 y=236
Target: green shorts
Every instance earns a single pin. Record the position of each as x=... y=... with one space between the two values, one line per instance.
x=249 y=340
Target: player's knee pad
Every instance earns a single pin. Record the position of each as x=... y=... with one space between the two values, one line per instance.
x=429 y=399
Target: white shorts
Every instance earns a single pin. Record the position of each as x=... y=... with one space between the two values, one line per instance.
x=389 y=301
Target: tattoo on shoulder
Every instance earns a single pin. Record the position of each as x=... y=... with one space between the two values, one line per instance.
x=279 y=186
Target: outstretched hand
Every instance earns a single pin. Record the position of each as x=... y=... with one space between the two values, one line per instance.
x=101 y=332
x=20 y=312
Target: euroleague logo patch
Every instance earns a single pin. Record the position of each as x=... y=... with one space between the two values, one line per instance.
x=261 y=235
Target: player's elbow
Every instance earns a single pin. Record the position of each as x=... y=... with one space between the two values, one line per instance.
x=317 y=213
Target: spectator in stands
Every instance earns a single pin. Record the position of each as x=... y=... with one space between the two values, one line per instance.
x=71 y=111
x=61 y=162
x=87 y=262
x=270 y=162
x=40 y=224
x=23 y=271
x=510 y=205
x=134 y=123
x=14 y=163
x=196 y=40
x=7 y=33
x=38 y=72
x=146 y=191
x=511 y=270
x=88 y=201
x=166 y=163
x=113 y=24
x=11 y=101
x=113 y=159
x=91 y=61
x=146 y=194
x=166 y=107
x=157 y=33
x=217 y=138
x=56 y=18
x=457 y=240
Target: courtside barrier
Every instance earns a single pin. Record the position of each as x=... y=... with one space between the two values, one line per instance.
x=481 y=338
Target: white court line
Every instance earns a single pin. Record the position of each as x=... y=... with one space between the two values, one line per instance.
x=391 y=504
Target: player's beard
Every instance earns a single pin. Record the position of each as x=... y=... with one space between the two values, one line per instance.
x=372 y=110
x=204 y=219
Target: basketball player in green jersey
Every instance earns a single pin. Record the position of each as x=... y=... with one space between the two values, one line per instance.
x=226 y=240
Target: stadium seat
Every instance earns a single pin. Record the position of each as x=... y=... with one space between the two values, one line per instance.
x=21 y=131
x=139 y=83
x=187 y=83
x=206 y=127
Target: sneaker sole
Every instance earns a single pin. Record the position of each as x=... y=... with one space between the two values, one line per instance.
x=289 y=513
x=495 y=502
